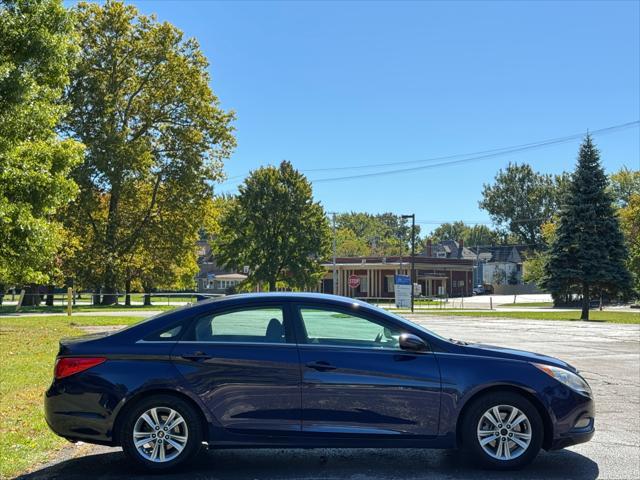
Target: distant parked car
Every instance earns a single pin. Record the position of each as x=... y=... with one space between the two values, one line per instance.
x=304 y=371
x=482 y=290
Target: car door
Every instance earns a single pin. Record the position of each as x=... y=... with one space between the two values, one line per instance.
x=244 y=365
x=357 y=380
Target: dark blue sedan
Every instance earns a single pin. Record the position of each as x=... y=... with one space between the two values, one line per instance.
x=308 y=370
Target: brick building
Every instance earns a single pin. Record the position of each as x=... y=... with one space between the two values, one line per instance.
x=437 y=276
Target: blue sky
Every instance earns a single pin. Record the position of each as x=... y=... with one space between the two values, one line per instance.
x=333 y=84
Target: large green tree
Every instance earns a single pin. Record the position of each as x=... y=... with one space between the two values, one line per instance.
x=625 y=183
x=275 y=227
x=449 y=231
x=349 y=245
x=155 y=137
x=374 y=234
x=479 y=235
x=630 y=221
x=588 y=253
x=36 y=51
x=520 y=200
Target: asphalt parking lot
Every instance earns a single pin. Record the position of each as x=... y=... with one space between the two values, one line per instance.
x=607 y=354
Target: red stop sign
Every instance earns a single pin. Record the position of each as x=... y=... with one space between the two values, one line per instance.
x=354 y=281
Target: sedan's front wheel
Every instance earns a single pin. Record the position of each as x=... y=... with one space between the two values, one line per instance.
x=161 y=432
x=503 y=431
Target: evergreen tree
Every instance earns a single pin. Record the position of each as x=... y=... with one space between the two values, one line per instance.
x=588 y=253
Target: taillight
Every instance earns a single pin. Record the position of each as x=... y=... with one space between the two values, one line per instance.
x=72 y=365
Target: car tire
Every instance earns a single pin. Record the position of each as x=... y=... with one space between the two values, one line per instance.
x=482 y=433
x=177 y=445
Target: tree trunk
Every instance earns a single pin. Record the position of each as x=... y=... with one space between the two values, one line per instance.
x=585 y=302
x=49 y=301
x=96 y=296
x=31 y=296
x=272 y=285
x=1 y=293
x=109 y=296
x=147 y=296
x=127 y=292
x=109 y=292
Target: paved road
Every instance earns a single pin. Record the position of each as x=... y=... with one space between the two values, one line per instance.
x=607 y=354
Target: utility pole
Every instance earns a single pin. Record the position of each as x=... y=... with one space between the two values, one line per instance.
x=335 y=272
x=413 y=255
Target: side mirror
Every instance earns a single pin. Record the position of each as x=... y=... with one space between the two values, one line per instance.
x=412 y=343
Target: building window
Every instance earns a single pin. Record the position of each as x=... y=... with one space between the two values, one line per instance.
x=390 y=283
x=364 y=284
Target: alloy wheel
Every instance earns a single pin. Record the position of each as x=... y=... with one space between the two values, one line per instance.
x=160 y=434
x=504 y=432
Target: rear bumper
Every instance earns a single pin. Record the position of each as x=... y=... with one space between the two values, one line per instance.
x=78 y=416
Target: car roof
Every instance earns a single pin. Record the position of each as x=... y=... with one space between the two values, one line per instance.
x=285 y=296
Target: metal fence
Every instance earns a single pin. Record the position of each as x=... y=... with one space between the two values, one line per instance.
x=34 y=301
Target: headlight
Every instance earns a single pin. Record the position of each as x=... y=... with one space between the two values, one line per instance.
x=570 y=379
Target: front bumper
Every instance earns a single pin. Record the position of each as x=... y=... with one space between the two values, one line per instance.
x=572 y=439
x=574 y=421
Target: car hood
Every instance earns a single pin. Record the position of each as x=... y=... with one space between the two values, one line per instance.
x=513 y=354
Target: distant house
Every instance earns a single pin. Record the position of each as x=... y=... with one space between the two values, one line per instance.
x=495 y=265
x=499 y=265
x=448 y=249
x=211 y=277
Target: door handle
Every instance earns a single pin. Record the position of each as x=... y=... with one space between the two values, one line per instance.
x=320 y=366
x=196 y=356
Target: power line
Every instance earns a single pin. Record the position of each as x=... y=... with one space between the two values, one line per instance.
x=477 y=155
x=530 y=146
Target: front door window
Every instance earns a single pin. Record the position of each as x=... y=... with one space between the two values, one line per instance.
x=336 y=328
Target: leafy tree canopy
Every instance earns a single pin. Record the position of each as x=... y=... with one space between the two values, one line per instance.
x=349 y=245
x=625 y=183
x=630 y=222
x=383 y=234
x=36 y=51
x=479 y=235
x=275 y=227
x=520 y=200
x=155 y=137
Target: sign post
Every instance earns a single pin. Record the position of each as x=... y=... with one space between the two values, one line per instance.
x=20 y=300
x=403 y=290
x=69 y=300
x=413 y=253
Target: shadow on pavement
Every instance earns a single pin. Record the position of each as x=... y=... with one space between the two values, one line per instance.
x=322 y=463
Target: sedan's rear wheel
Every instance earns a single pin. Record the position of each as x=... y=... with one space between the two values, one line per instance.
x=503 y=431
x=161 y=432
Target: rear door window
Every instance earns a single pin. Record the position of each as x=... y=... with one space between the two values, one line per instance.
x=250 y=325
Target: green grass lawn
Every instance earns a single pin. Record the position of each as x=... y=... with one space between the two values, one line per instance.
x=528 y=304
x=28 y=346
x=606 y=316
x=84 y=308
